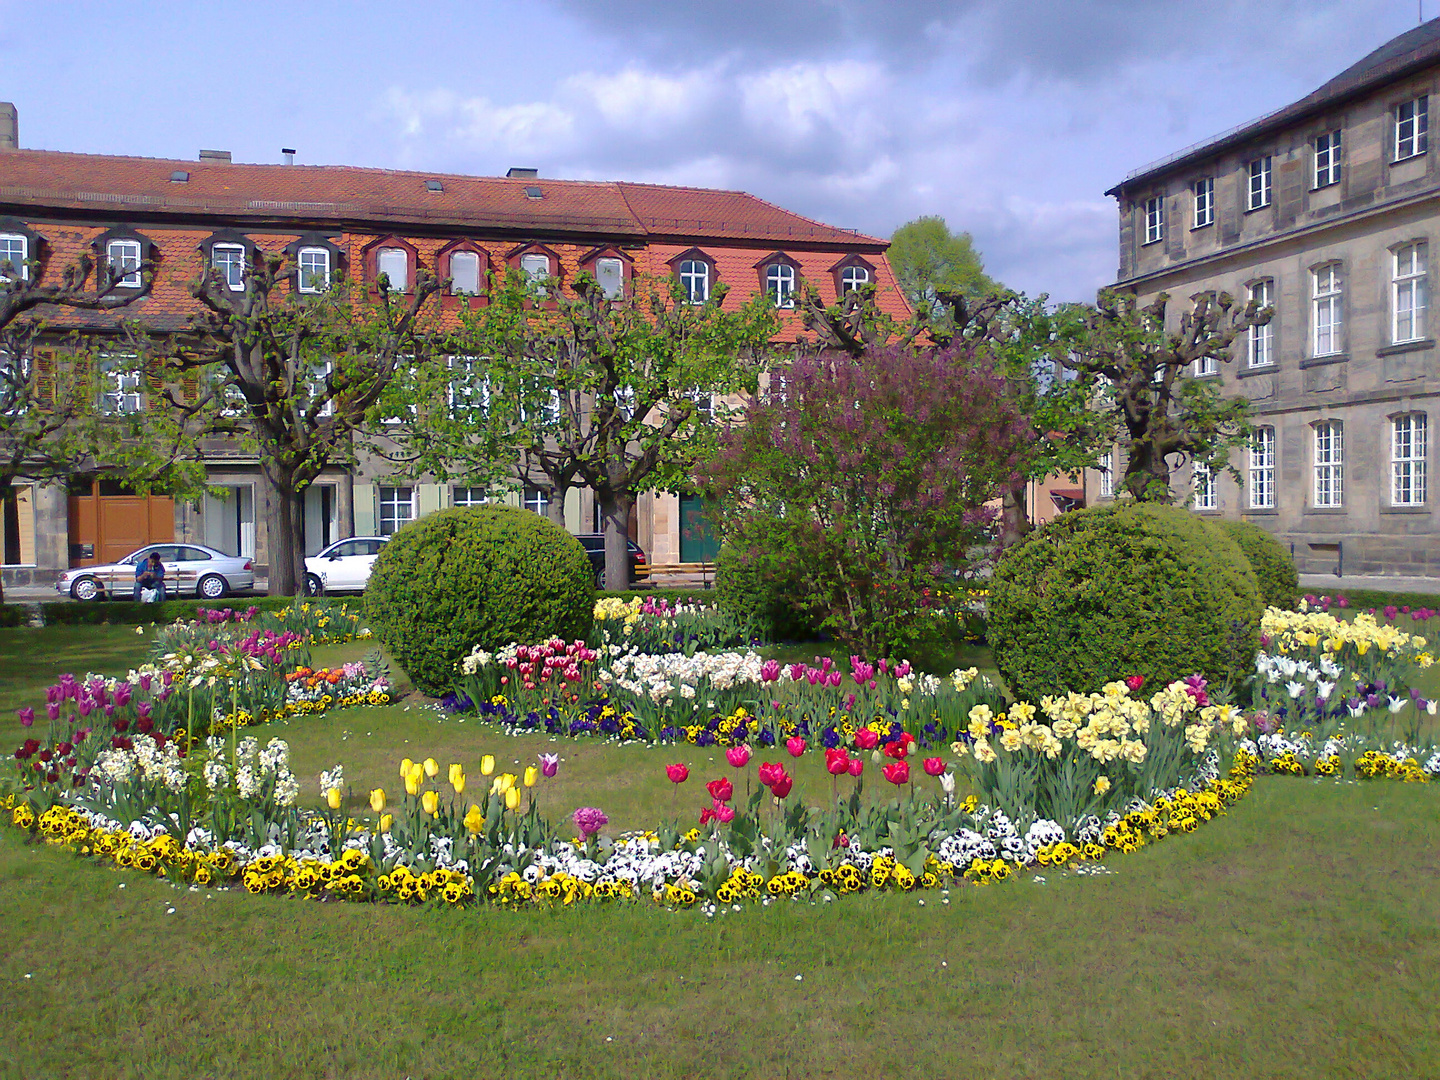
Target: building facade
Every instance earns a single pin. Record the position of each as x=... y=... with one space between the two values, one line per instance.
x=1327 y=210
x=56 y=207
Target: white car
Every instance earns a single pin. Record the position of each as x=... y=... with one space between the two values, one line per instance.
x=344 y=566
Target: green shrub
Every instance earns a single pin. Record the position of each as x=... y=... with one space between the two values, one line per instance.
x=757 y=583
x=1116 y=591
x=1274 y=569
x=14 y=615
x=482 y=576
x=129 y=613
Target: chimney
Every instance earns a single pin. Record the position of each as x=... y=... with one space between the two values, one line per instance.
x=9 y=127
x=523 y=174
x=215 y=155
x=288 y=155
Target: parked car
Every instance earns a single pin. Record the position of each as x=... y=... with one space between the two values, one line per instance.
x=344 y=566
x=594 y=545
x=190 y=570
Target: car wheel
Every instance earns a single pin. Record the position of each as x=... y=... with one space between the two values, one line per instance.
x=86 y=588
x=313 y=586
x=212 y=587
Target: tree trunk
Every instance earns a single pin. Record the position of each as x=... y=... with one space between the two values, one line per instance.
x=614 y=518
x=1014 y=518
x=1147 y=475
x=555 y=508
x=284 y=530
x=7 y=486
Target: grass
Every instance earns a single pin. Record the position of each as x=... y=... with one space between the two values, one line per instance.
x=1297 y=936
x=33 y=658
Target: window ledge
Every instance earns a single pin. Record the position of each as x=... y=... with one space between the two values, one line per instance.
x=1261 y=511
x=1208 y=513
x=1322 y=187
x=1157 y=240
x=1258 y=369
x=1206 y=225
x=1207 y=375
x=1321 y=361
x=1405 y=346
x=1410 y=157
x=1405 y=509
x=1257 y=209
x=1326 y=510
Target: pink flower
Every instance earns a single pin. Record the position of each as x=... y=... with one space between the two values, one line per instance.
x=866 y=739
x=933 y=766
x=796 y=745
x=856 y=766
x=782 y=787
x=770 y=671
x=1135 y=682
x=724 y=814
x=737 y=756
x=837 y=761
x=677 y=773
x=770 y=773
x=897 y=772
x=589 y=820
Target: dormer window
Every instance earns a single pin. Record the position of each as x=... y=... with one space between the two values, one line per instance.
x=536 y=267
x=14 y=252
x=228 y=261
x=780 y=284
x=314 y=266
x=123 y=259
x=695 y=281
x=852 y=273
x=394 y=264
x=610 y=276
x=465 y=273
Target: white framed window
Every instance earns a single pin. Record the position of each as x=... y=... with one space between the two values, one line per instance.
x=1260 y=340
x=1262 y=469
x=610 y=276
x=123 y=259
x=1206 y=488
x=1412 y=128
x=314 y=267
x=1329 y=463
x=536 y=267
x=394 y=263
x=1207 y=365
x=780 y=284
x=317 y=384
x=1407 y=294
x=469 y=496
x=1327 y=159
x=695 y=281
x=1204 y=201
x=469 y=389
x=852 y=278
x=1107 y=474
x=397 y=508
x=121 y=386
x=1259 y=190
x=229 y=262
x=1408 y=439
x=465 y=273
x=539 y=404
x=1155 y=219
x=14 y=250
x=538 y=500
x=1327 y=308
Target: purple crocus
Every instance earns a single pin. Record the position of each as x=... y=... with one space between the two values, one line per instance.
x=549 y=764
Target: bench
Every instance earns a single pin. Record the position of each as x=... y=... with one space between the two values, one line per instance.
x=649 y=572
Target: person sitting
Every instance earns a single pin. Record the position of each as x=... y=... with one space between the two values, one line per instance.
x=150 y=574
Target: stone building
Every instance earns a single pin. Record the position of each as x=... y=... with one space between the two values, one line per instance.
x=1325 y=209
x=54 y=207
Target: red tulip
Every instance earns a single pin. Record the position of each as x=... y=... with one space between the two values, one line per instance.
x=897 y=772
x=856 y=766
x=933 y=766
x=720 y=790
x=866 y=739
x=796 y=745
x=706 y=816
x=1134 y=682
x=782 y=787
x=837 y=761
x=770 y=773
x=737 y=756
x=677 y=773
x=897 y=749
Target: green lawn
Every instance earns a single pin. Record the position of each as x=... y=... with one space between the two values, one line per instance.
x=1297 y=936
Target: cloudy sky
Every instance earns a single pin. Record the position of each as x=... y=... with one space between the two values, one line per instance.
x=1008 y=117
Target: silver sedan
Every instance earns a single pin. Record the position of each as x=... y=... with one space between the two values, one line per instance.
x=190 y=570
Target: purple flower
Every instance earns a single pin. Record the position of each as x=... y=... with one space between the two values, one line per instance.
x=590 y=820
x=549 y=764
x=53 y=710
x=27 y=716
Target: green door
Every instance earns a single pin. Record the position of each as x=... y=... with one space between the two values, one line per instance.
x=697 y=539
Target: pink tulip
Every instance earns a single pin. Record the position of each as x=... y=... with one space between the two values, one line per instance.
x=796 y=745
x=737 y=756
x=677 y=773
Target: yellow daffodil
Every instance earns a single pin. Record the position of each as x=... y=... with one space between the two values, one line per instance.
x=487 y=765
x=332 y=798
x=377 y=800
x=1102 y=785
x=512 y=798
x=431 y=767
x=532 y=776
x=431 y=802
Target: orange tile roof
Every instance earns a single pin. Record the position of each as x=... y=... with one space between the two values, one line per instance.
x=103 y=184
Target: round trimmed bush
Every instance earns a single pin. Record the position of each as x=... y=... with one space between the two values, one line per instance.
x=757 y=582
x=1274 y=568
x=486 y=576
x=1115 y=591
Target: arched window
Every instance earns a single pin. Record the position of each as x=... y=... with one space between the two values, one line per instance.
x=1262 y=469
x=314 y=265
x=1328 y=309
x=1329 y=463
x=853 y=277
x=1408 y=439
x=465 y=273
x=394 y=263
x=780 y=284
x=695 y=281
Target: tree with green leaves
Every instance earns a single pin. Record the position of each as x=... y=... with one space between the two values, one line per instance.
x=73 y=400
x=929 y=260
x=294 y=376
x=568 y=387
x=1153 y=381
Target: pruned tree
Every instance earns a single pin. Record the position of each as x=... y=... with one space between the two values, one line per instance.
x=1150 y=374
x=57 y=384
x=574 y=387
x=295 y=375
x=930 y=261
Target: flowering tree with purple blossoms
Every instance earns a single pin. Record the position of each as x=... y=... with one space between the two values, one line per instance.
x=873 y=470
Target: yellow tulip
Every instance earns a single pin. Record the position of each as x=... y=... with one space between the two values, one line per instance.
x=431 y=802
x=507 y=781
x=473 y=820
x=412 y=786
x=377 y=800
x=454 y=768
x=332 y=798
x=417 y=775
x=487 y=765
x=431 y=766
x=457 y=781
x=512 y=798
x=405 y=767
x=532 y=776
x=386 y=821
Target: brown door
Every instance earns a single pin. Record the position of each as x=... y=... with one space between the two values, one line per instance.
x=107 y=523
